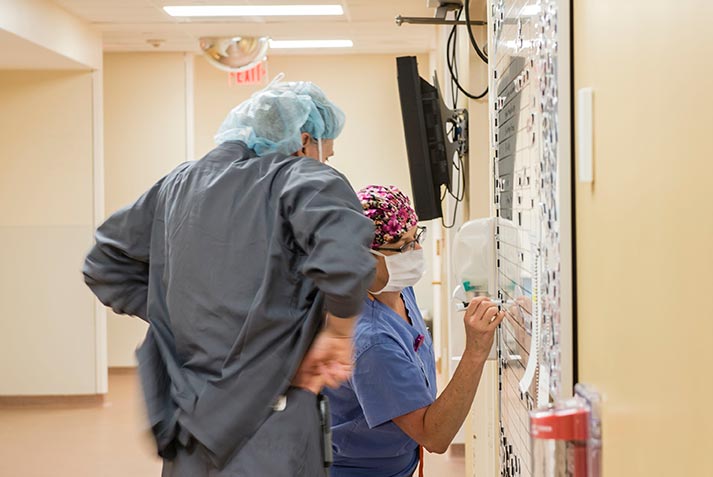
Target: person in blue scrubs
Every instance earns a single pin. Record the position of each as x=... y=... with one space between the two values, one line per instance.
x=388 y=409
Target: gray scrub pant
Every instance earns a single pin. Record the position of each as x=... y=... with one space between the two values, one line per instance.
x=288 y=444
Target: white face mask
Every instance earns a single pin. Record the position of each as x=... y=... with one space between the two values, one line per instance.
x=405 y=270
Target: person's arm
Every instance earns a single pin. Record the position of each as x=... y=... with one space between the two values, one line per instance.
x=435 y=426
x=117 y=267
x=329 y=360
x=328 y=225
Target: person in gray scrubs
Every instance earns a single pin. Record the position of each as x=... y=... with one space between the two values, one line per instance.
x=249 y=266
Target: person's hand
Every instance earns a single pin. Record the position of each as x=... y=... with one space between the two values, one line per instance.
x=481 y=320
x=327 y=363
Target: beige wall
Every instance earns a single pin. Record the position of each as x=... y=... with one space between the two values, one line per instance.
x=47 y=327
x=371 y=150
x=645 y=232
x=479 y=195
x=481 y=427
x=145 y=138
x=480 y=430
x=473 y=76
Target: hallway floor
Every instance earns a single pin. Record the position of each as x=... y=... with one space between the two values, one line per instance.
x=110 y=440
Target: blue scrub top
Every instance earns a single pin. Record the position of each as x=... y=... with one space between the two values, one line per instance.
x=390 y=379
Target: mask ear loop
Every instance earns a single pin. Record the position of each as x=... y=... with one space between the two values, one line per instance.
x=320 y=152
x=375 y=293
x=277 y=79
x=304 y=151
x=375 y=252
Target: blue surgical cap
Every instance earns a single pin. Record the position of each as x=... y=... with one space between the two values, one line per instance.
x=273 y=119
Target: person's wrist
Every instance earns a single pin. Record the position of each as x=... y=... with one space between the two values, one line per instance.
x=475 y=355
x=340 y=327
x=338 y=332
x=338 y=335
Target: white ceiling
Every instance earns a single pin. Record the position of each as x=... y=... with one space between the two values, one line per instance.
x=127 y=25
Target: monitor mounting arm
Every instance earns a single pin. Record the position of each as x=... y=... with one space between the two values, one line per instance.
x=457 y=138
x=443 y=8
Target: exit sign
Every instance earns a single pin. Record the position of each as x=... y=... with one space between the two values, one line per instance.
x=254 y=75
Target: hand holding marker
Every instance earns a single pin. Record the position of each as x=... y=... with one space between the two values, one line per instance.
x=462 y=305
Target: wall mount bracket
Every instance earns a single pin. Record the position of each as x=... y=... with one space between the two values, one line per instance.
x=400 y=20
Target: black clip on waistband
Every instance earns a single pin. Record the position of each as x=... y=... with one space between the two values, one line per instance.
x=325 y=420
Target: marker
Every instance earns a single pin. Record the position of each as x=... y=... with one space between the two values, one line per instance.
x=461 y=306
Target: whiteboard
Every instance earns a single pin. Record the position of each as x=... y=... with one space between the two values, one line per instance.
x=530 y=79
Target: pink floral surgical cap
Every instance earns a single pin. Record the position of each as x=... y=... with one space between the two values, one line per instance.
x=390 y=210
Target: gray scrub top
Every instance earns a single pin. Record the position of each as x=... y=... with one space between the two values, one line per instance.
x=232 y=260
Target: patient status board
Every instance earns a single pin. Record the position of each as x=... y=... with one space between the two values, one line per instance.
x=531 y=157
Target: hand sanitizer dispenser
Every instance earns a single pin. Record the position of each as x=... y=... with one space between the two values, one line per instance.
x=474 y=259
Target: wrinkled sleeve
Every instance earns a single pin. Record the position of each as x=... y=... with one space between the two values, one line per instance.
x=117 y=267
x=327 y=221
x=388 y=383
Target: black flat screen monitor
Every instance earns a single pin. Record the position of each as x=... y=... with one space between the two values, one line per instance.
x=430 y=166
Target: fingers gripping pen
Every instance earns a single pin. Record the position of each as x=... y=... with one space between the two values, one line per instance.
x=463 y=305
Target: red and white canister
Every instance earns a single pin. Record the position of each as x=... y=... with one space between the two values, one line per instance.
x=560 y=436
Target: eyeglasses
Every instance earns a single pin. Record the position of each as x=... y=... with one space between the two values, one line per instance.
x=409 y=246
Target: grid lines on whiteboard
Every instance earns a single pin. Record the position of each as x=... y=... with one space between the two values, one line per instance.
x=523 y=103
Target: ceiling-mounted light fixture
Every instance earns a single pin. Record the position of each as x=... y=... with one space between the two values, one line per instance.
x=156 y=42
x=234 y=54
x=253 y=10
x=308 y=44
